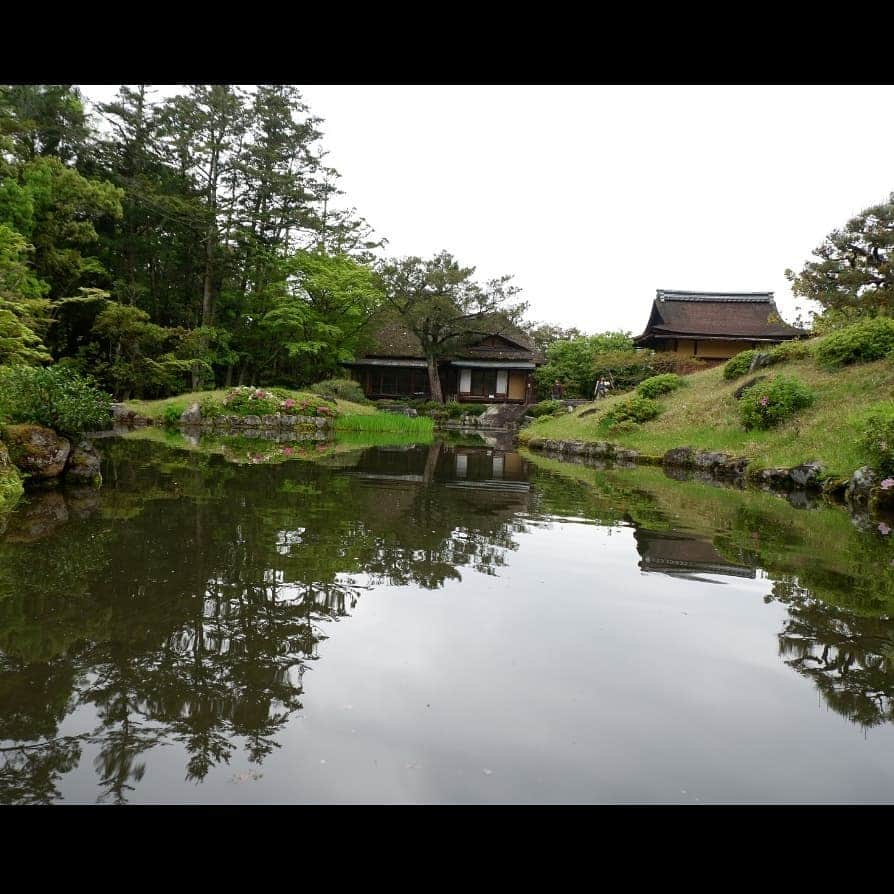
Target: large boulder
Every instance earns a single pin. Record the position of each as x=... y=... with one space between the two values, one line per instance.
x=84 y=464
x=759 y=361
x=121 y=416
x=192 y=415
x=680 y=457
x=36 y=451
x=862 y=483
x=808 y=474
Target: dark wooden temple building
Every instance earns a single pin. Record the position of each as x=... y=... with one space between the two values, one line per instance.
x=714 y=326
x=496 y=368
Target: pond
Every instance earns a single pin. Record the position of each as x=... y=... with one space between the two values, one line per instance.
x=447 y=623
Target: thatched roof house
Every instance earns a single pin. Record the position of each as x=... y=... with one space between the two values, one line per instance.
x=494 y=368
x=714 y=326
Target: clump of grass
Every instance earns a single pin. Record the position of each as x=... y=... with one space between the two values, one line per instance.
x=10 y=487
x=363 y=439
x=416 y=426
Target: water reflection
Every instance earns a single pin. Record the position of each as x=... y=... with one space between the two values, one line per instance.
x=184 y=603
x=188 y=604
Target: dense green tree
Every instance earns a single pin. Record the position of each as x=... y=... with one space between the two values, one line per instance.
x=854 y=273
x=576 y=361
x=24 y=312
x=318 y=315
x=444 y=307
x=43 y=120
x=545 y=334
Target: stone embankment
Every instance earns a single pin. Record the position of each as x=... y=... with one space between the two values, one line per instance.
x=193 y=417
x=863 y=489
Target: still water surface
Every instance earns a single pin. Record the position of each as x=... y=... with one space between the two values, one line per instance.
x=439 y=624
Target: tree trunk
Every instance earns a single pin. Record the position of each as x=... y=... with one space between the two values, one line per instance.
x=434 y=381
x=229 y=381
x=431 y=462
x=208 y=279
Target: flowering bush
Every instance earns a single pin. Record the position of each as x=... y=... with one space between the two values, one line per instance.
x=766 y=404
x=247 y=401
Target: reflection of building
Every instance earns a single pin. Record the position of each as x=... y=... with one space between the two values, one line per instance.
x=468 y=467
x=497 y=368
x=682 y=556
x=714 y=326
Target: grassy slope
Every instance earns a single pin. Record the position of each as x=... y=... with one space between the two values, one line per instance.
x=704 y=415
x=154 y=409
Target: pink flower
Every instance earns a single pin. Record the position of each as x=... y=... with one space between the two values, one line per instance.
x=887 y=484
x=288 y=404
x=287 y=451
x=883 y=529
x=764 y=401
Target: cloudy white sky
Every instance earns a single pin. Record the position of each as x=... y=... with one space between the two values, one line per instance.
x=593 y=197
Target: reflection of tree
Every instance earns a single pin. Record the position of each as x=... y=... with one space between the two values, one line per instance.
x=850 y=658
x=29 y=774
x=186 y=608
x=34 y=699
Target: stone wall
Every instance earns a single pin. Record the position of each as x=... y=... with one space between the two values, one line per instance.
x=864 y=489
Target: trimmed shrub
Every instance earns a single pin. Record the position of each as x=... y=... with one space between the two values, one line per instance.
x=635 y=409
x=545 y=408
x=345 y=389
x=655 y=386
x=623 y=427
x=878 y=439
x=739 y=365
x=769 y=403
x=56 y=397
x=796 y=349
x=860 y=343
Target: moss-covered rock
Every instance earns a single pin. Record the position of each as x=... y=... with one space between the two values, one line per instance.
x=37 y=451
x=84 y=464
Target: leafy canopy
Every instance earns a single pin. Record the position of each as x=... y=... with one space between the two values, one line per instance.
x=855 y=267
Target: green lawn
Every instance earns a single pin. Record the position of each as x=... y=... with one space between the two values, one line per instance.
x=704 y=415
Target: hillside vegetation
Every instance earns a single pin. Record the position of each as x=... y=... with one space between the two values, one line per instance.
x=705 y=414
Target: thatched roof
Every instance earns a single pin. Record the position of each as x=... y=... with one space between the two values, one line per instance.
x=389 y=338
x=719 y=315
